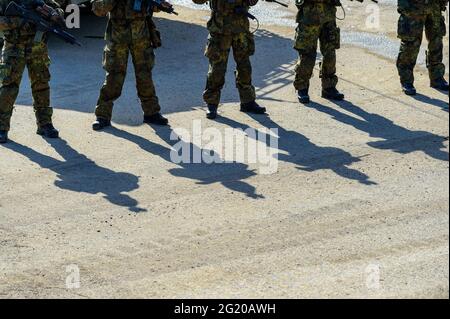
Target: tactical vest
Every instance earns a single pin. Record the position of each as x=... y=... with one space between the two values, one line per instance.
x=228 y=16
x=131 y=10
x=227 y=7
x=419 y=4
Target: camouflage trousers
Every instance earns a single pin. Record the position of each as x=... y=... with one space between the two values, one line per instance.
x=410 y=31
x=316 y=23
x=115 y=61
x=218 y=51
x=15 y=57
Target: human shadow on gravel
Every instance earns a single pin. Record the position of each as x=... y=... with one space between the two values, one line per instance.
x=229 y=175
x=179 y=74
x=394 y=137
x=306 y=155
x=432 y=101
x=77 y=173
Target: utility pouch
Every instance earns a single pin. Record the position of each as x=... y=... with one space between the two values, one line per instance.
x=155 y=35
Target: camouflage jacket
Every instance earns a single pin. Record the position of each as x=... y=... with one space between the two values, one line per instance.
x=228 y=16
x=18 y=30
x=122 y=10
x=125 y=22
x=418 y=5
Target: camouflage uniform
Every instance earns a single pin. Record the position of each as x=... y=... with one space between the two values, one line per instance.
x=316 y=22
x=21 y=50
x=229 y=29
x=127 y=32
x=415 y=15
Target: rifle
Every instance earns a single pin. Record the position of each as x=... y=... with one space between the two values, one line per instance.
x=159 y=5
x=154 y=3
x=42 y=24
x=278 y=2
x=375 y=1
x=243 y=11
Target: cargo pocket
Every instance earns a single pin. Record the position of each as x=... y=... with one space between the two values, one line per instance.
x=214 y=49
x=5 y=73
x=334 y=37
x=244 y=45
x=108 y=59
x=251 y=44
x=149 y=55
x=40 y=62
x=443 y=27
x=409 y=29
x=306 y=38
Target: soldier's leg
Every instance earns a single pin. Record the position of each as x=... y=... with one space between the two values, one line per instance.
x=12 y=65
x=410 y=31
x=329 y=42
x=243 y=48
x=38 y=64
x=306 y=39
x=435 y=30
x=217 y=51
x=144 y=61
x=115 y=60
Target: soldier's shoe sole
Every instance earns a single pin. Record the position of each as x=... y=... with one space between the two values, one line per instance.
x=53 y=135
x=262 y=111
x=98 y=127
x=211 y=116
x=410 y=93
x=159 y=123
x=332 y=98
x=304 y=100
x=437 y=87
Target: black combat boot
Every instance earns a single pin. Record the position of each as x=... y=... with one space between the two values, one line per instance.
x=48 y=131
x=332 y=94
x=100 y=124
x=156 y=119
x=252 y=107
x=212 y=111
x=440 y=84
x=303 y=96
x=3 y=137
x=409 y=89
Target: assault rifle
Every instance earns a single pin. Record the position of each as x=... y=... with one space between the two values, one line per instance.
x=163 y=8
x=41 y=21
x=376 y=1
x=243 y=11
x=278 y=2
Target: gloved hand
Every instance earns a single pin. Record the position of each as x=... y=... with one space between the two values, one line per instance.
x=253 y=2
x=164 y=4
x=56 y=16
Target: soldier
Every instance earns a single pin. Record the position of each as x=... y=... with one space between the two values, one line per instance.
x=25 y=47
x=415 y=15
x=317 y=22
x=130 y=30
x=229 y=27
